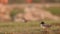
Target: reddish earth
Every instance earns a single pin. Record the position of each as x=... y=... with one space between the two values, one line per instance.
x=34 y=13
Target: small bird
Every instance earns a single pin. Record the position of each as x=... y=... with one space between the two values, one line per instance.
x=44 y=25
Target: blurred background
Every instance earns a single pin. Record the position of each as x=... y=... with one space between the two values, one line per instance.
x=33 y=1
x=25 y=16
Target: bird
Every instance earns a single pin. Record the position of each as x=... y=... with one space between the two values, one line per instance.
x=44 y=25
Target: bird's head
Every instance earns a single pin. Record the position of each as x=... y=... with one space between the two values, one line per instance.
x=42 y=22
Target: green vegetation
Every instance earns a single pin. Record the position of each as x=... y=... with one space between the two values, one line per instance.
x=36 y=1
x=16 y=11
x=54 y=10
x=32 y=27
x=22 y=1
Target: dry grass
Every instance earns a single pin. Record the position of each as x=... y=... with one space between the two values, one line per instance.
x=28 y=28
